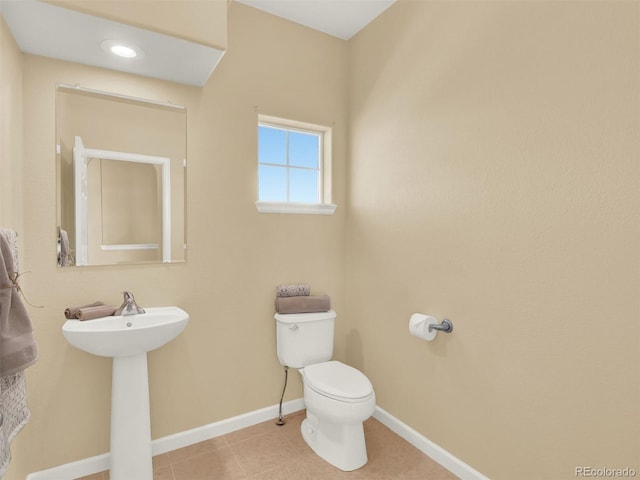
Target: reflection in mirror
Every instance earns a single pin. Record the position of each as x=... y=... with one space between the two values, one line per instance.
x=121 y=179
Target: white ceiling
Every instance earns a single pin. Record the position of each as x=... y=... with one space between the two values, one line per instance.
x=340 y=18
x=43 y=29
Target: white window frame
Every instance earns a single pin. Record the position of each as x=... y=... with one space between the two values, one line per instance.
x=324 y=205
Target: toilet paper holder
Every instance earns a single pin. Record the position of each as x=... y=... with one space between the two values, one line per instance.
x=445 y=326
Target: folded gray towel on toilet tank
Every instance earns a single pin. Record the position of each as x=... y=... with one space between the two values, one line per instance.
x=303 y=304
x=293 y=290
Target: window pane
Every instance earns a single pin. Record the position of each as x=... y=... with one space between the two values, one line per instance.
x=303 y=149
x=272 y=145
x=303 y=186
x=272 y=184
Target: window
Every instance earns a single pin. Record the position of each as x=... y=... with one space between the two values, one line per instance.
x=293 y=167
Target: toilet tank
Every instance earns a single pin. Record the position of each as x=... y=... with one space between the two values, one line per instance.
x=304 y=338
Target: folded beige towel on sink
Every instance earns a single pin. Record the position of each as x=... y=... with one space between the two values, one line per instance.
x=71 y=312
x=90 y=313
x=303 y=304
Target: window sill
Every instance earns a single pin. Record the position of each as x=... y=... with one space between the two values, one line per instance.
x=300 y=208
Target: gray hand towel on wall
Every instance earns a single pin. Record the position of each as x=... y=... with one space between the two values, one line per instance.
x=15 y=414
x=303 y=304
x=18 y=348
x=13 y=388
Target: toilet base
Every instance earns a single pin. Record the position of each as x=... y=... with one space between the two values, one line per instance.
x=341 y=445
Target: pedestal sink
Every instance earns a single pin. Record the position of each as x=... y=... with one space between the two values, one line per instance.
x=127 y=339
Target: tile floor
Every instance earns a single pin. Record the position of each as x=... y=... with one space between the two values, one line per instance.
x=268 y=452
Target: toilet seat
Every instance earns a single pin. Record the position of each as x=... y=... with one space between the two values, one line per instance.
x=338 y=381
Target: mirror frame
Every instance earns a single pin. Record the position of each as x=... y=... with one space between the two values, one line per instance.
x=79 y=166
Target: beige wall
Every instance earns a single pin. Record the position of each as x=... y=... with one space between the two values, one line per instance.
x=494 y=180
x=225 y=363
x=10 y=130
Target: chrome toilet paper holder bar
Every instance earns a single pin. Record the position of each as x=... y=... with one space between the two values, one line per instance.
x=445 y=326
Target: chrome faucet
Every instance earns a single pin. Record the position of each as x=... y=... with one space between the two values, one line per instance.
x=129 y=306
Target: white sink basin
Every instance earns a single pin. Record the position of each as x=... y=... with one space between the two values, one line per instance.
x=127 y=339
x=119 y=336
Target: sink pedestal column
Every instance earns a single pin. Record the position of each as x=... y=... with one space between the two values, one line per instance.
x=130 y=419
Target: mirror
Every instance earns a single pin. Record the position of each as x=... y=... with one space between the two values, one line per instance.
x=121 y=179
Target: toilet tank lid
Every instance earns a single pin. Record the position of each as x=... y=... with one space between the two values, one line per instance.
x=304 y=317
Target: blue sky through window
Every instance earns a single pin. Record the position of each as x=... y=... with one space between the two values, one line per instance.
x=288 y=165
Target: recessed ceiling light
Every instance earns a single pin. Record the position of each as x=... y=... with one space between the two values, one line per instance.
x=122 y=49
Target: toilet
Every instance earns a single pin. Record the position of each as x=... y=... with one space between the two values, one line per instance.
x=338 y=397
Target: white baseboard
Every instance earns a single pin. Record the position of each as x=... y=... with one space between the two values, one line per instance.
x=426 y=446
x=212 y=430
x=99 y=463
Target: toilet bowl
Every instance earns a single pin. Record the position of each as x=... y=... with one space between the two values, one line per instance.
x=338 y=399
